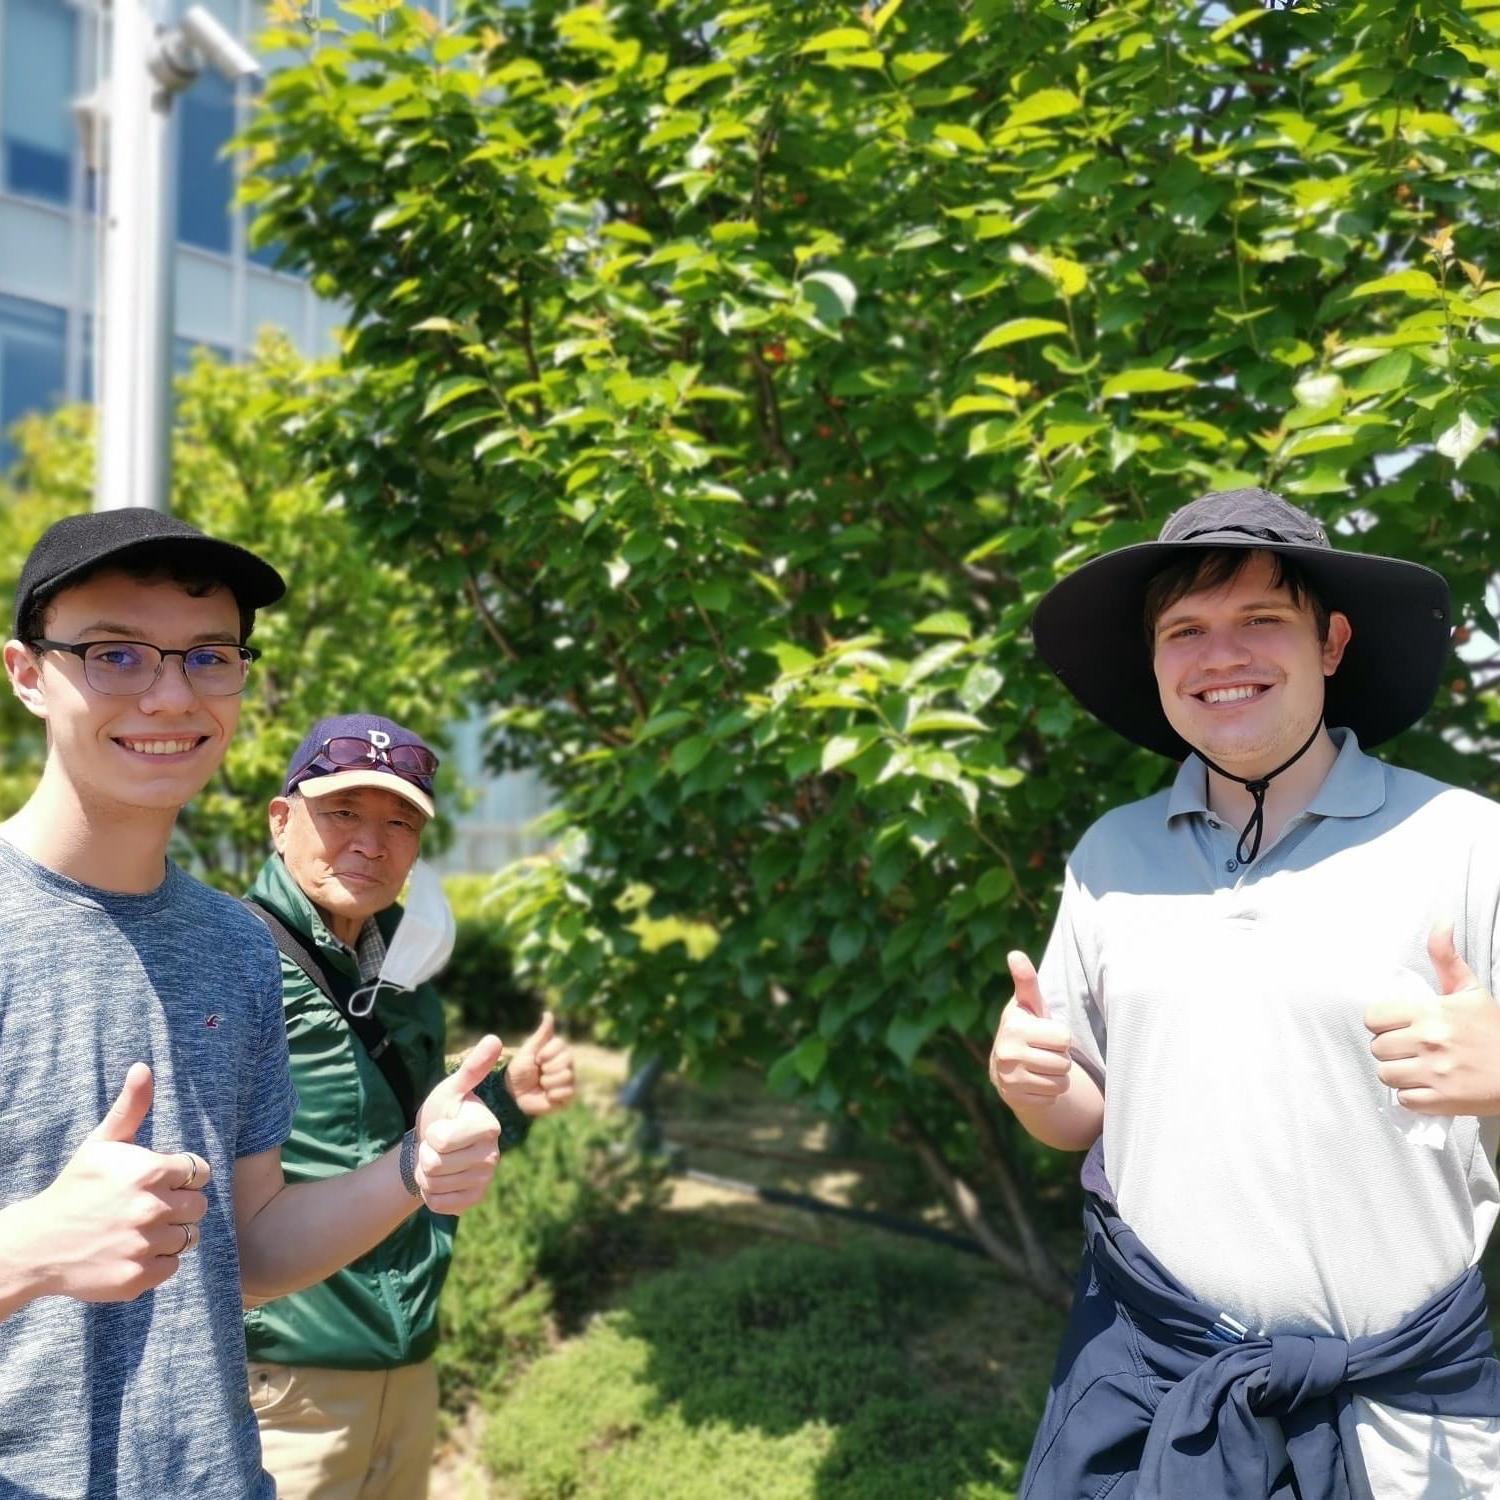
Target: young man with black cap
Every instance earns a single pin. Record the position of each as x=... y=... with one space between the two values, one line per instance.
x=342 y=1378
x=133 y=1216
x=1280 y=1293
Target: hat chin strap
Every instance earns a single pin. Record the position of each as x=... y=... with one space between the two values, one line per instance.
x=1257 y=786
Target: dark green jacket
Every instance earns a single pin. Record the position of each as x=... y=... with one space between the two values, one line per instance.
x=381 y=1311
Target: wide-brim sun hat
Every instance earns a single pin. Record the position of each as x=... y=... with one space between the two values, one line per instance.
x=1090 y=626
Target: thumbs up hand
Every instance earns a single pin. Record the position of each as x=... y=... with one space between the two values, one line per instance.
x=117 y=1219
x=458 y=1139
x=1030 y=1063
x=540 y=1075
x=1442 y=1054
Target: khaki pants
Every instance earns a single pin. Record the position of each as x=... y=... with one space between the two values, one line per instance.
x=346 y=1434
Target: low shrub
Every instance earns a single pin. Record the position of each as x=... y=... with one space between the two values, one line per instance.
x=567 y=1215
x=781 y=1374
x=478 y=984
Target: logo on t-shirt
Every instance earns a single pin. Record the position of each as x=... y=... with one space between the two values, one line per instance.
x=212 y=1022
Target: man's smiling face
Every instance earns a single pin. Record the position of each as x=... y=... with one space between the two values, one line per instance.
x=1241 y=670
x=155 y=749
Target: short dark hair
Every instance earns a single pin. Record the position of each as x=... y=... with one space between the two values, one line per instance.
x=161 y=567
x=1215 y=567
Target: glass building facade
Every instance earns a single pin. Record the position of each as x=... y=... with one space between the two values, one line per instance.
x=52 y=53
x=50 y=56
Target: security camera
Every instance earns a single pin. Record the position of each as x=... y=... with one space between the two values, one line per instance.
x=225 y=55
x=197 y=38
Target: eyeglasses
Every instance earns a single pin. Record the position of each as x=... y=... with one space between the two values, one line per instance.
x=414 y=762
x=124 y=669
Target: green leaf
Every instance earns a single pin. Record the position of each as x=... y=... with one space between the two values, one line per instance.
x=400 y=213
x=688 y=754
x=832 y=294
x=981 y=683
x=1237 y=23
x=810 y=1057
x=712 y=595
x=833 y=700
x=909 y=65
x=1015 y=330
x=1463 y=437
x=918 y=239
x=934 y=659
x=790 y=658
x=1068 y=276
x=1045 y=104
x=839 y=37
x=846 y=943
x=1410 y=283
x=944 y=622
x=844 y=747
x=446 y=392
x=965 y=137
x=994 y=885
x=435 y=325
x=905 y=1037
x=1388 y=373
x=939 y=721
x=663 y=723
x=1145 y=382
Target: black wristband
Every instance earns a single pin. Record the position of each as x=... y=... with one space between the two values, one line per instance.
x=409 y=1162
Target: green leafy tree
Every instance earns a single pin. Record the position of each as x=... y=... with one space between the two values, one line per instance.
x=749 y=370
x=352 y=632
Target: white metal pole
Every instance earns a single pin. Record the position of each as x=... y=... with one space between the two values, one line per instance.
x=135 y=321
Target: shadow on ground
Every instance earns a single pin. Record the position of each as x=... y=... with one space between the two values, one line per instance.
x=787 y=1372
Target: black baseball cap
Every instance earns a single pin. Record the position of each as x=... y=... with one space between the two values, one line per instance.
x=76 y=546
x=1090 y=626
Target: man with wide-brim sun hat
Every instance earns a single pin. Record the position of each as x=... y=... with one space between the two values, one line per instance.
x=1283 y=1217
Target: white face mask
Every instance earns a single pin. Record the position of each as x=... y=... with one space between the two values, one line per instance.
x=423 y=942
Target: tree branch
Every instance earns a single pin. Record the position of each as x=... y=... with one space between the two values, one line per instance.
x=1038 y=1258
x=490 y=623
x=966 y=1204
x=770 y=410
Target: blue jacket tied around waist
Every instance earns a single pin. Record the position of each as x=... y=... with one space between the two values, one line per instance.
x=1156 y=1395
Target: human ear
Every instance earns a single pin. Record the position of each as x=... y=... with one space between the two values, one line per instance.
x=278 y=813
x=1339 y=634
x=25 y=672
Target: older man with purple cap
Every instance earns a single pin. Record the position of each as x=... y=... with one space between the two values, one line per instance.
x=1280 y=1293
x=341 y=1375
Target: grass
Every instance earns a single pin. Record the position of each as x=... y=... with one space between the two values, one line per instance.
x=612 y=1336
x=785 y=1373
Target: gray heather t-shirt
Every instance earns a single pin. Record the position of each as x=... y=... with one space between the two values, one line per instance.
x=146 y=1399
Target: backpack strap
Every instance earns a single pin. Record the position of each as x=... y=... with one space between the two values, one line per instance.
x=338 y=987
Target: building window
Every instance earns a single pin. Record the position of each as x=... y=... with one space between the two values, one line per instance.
x=205 y=177
x=37 y=84
x=184 y=350
x=33 y=363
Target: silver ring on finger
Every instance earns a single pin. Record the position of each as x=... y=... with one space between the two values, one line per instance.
x=188 y=1238
x=192 y=1176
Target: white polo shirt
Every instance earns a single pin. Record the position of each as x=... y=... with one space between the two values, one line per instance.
x=1245 y=1132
